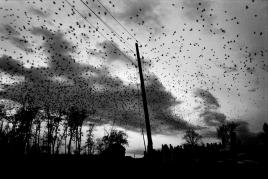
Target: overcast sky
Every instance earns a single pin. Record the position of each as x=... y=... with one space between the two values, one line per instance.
x=205 y=61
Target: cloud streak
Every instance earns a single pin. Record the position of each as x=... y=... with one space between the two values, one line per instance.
x=207 y=97
x=212 y=118
x=14 y=38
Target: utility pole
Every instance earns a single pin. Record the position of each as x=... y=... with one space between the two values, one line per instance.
x=143 y=139
x=145 y=107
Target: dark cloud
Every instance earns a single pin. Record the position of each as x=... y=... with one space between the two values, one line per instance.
x=209 y=115
x=11 y=66
x=117 y=104
x=16 y=68
x=212 y=118
x=207 y=97
x=107 y=99
x=200 y=11
x=59 y=52
x=141 y=13
x=127 y=110
x=160 y=102
x=15 y=38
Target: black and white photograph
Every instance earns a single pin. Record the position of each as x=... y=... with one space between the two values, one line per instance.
x=153 y=86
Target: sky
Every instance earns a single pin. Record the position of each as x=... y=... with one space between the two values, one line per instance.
x=204 y=61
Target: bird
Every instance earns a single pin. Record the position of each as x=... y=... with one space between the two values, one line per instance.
x=54 y=50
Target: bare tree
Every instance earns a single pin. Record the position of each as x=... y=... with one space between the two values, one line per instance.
x=90 y=139
x=226 y=132
x=264 y=135
x=75 y=121
x=2 y=116
x=192 y=137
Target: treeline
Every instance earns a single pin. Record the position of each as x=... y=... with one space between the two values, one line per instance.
x=229 y=152
x=33 y=131
x=228 y=134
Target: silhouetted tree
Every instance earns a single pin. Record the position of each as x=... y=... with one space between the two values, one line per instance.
x=75 y=119
x=25 y=118
x=56 y=124
x=3 y=132
x=100 y=146
x=49 y=129
x=115 y=137
x=264 y=134
x=90 y=139
x=2 y=116
x=192 y=137
x=37 y=132
x=226 y=132
x=222 y=134
x=65 y=135
x=113 y=143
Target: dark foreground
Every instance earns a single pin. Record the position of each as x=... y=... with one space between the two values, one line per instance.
x=89 y=166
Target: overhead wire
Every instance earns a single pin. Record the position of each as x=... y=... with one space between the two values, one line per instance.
x=108 y=26
x=73 y=7
x=133 y=52
x=117 y=21
x=97 y=30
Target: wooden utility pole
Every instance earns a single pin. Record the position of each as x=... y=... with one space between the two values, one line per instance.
x=145 y=107
x=143 y=140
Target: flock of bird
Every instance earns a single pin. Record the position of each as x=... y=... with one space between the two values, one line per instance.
x=45 y=41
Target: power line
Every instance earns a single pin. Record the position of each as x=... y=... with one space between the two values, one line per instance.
x=149 y=141
x=73 y=7
x=117 y=21
x=109 y=27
